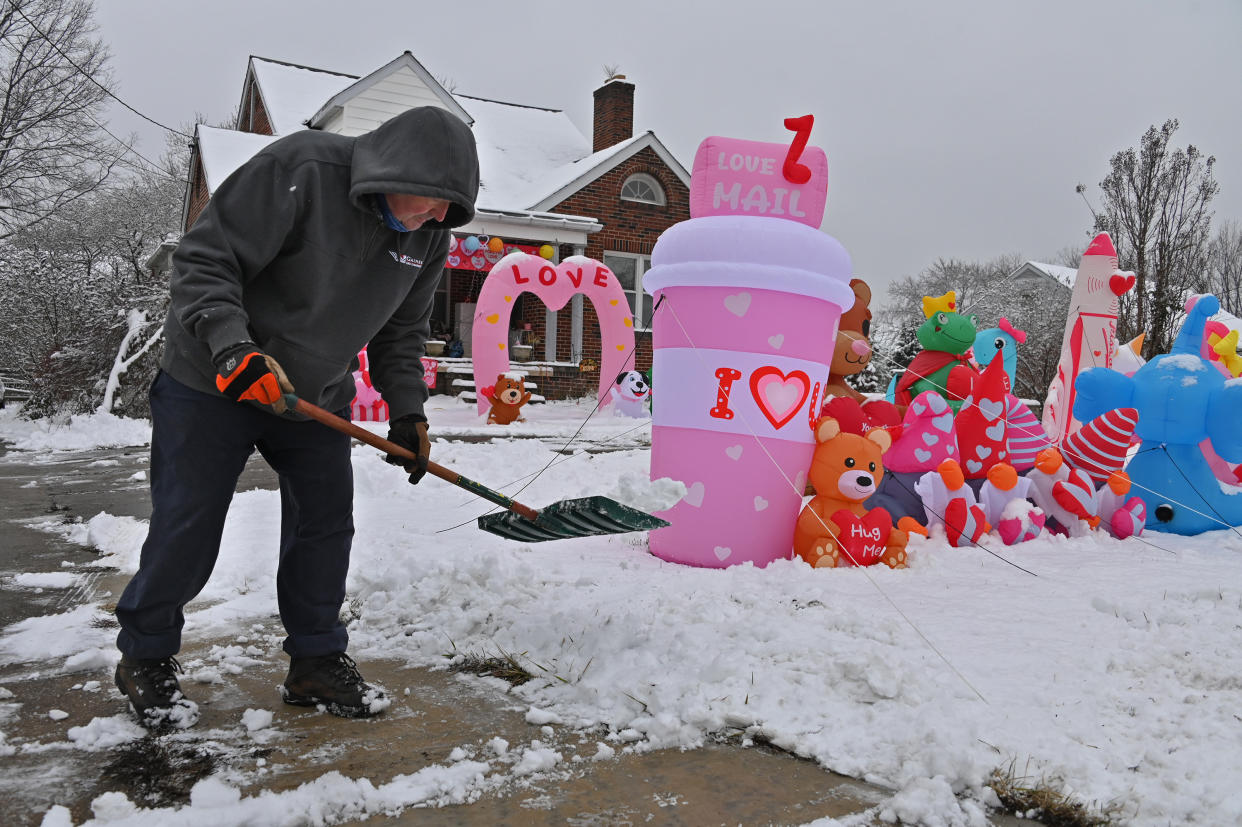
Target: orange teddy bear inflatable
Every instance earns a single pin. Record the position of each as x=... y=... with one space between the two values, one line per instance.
x=834 y=529
x=508 y=396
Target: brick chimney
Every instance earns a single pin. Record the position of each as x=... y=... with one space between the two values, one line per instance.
x=614 y=113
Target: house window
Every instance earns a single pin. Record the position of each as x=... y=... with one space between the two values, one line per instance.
x=441 y=307
x=629 y=269
x=643 y=189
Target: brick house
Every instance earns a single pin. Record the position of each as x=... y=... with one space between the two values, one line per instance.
x=543 y=183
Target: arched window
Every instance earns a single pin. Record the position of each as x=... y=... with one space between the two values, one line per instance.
x=642 y=188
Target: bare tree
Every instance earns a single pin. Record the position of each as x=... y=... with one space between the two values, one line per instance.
x=53 y=82
x=1225 y=266
x=1156 y=209
x=79 y=312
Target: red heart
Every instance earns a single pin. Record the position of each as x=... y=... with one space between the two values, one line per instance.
x=1120 y=284
x=862 y=539
x=487 y=391
x=779 y=395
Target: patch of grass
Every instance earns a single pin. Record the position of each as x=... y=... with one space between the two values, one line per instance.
x=505 y=665
x=1043 y=799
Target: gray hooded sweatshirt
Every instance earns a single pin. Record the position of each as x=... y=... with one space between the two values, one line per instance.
x=291 y=254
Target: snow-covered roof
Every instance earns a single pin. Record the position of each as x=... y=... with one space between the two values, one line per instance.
x=519 y=148
x=1064 y=276
x=224 y=150
x=1228 y=320
x=530 y=158
x=572 y=177
x=292 y=94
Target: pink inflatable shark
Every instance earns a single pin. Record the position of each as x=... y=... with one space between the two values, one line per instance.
x=1090 y=331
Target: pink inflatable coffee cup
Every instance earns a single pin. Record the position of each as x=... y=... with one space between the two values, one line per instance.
x=748 y=309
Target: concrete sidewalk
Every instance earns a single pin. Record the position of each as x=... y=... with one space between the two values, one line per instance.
x=433 y=712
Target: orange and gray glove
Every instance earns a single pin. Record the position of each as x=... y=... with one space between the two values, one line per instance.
x=248 y=374
x=410 y=432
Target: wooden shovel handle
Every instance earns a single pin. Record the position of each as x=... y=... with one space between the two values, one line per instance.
x=335 y=422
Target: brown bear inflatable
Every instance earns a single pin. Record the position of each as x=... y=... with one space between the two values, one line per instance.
x=852 y=351
x=508 y=397
x=850 y=356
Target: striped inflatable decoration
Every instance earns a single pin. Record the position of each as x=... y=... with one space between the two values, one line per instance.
x=1026 y=435
x=1099 y=447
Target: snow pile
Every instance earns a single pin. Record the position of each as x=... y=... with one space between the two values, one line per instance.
x=78 y=433
x=105 y=733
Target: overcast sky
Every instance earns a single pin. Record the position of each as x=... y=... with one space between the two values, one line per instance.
x=954 y=128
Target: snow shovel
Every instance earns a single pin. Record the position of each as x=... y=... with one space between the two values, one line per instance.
x=581 y=517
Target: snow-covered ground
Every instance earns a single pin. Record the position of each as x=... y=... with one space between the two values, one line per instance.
x=1114 y=666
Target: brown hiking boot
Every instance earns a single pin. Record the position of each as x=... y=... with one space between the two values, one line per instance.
x=154 y=693
x=333 y=682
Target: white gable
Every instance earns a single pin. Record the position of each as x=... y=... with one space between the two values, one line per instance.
x=386 y=98
x=400 y=84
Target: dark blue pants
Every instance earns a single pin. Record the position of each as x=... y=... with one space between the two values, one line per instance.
x=199 y=446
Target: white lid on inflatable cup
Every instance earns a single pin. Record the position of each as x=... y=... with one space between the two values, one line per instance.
x=754 y=252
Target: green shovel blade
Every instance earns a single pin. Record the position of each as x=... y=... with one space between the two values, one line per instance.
x=583 y=517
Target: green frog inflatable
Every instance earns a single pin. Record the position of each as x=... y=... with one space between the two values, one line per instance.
x=942 y=366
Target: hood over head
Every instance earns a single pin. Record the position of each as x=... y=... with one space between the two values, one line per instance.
x=423 y=151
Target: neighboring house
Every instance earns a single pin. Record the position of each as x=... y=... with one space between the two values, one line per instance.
x=1038 y=275
x=542 y=182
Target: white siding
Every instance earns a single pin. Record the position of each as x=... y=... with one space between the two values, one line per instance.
x=387 y=97
x=335 y=122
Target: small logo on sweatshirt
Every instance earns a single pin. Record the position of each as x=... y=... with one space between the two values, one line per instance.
x=401 y=258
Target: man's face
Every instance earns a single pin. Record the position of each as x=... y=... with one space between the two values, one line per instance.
x=413 y=210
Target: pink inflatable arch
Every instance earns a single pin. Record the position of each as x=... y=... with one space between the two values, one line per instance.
x=555 y=285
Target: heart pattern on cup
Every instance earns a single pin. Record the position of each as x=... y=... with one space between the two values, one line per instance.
x=694 y=494
x=737 y=304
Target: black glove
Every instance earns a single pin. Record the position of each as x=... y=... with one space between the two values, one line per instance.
x=247 y=373
x=410 y=432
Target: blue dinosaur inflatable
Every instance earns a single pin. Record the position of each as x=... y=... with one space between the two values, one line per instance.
x=1005 y=338
x=1181 y=401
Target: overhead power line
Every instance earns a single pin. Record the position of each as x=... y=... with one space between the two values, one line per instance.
x=91 y=78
